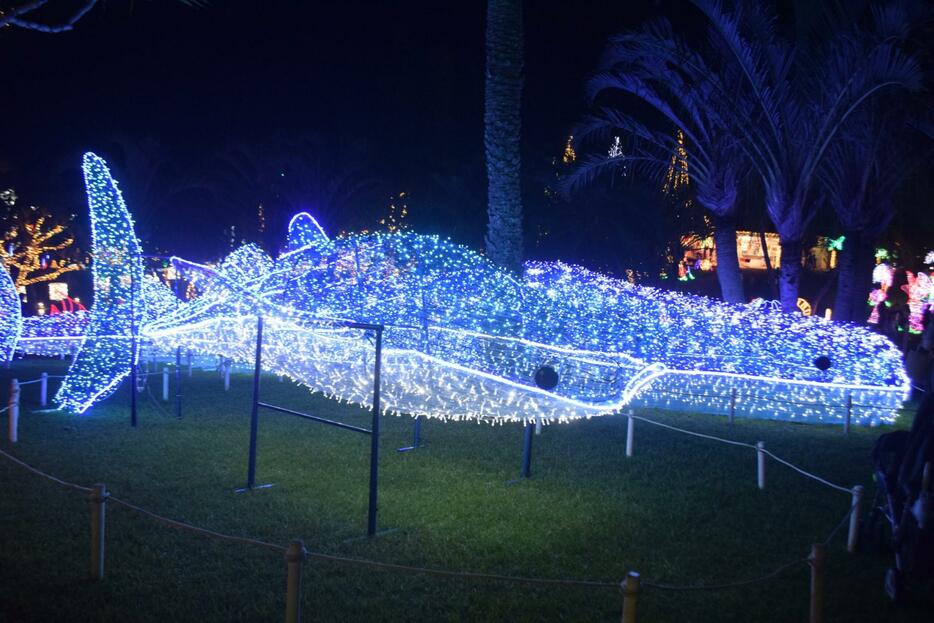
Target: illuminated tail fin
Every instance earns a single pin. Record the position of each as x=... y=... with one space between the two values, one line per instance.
x=108 y=350
x=11 y=318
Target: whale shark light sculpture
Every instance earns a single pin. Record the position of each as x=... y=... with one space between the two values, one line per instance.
x=463 y=338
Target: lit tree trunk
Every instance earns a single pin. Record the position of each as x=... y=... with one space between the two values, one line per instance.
x=843 y=306
x=855 y=278
x=728 y=273
x=502 y=132
x=789 y=274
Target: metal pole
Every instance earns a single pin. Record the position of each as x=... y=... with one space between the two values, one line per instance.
x=178 y=382
x=417 y=432
x=527 y=451
x=630 y=426
x=294 y=557
x=852 y=538
x=165 y=383
x=13 y=410
x=227 y=376
x=849 y=414
x=98 y=500
x=817 y=559
x=44 y=389
x=254 y=412
x=732 y=405
x=133 y=391
x=760 y=464
x=374 y=437
x=631 y=590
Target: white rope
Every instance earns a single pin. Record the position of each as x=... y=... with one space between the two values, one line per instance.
x=747 y=445
x=690 y=432
x=6 y=408
x=21 y=383
x=806 y=473
x=44 y=475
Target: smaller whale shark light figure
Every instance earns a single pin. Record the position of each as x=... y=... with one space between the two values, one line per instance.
x=463 y=339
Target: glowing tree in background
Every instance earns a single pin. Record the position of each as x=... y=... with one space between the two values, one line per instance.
x=10 y=317
x=110 y=346
x=33 y=244
x=502 y=129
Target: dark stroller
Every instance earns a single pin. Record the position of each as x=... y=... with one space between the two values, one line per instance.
x=903 y=464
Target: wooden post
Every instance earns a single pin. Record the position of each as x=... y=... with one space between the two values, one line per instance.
x=760 y=455
x=732 y=415
x=165 y=383
x=44 y=389
x=98 y=500
x=817 y=559
x=227 y=376
x=852 y=538
x=849 y=414
x=629 y=433
x=631 y=590
x=13 y=412
x=294 y=557
x=538 y=426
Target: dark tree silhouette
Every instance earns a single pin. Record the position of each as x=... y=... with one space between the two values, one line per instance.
x=790 y=97
x=683 y=97
x=502 y=131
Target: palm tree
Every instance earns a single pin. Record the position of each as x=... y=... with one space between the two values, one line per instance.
x=792 y=98
x=861 y=175
x=687 y=100
x=502 y=130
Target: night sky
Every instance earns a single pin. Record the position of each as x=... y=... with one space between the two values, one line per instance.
x=403 y=78
x=402 y=82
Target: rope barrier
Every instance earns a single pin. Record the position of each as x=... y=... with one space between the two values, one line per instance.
x=689 y=432
x=181 y=525
x=806 y=473
x=460 y=574
x=21 y=383
x=44 y=475
x=746 y=445
x=842 y=523
x=738 y=583
x=6 y=408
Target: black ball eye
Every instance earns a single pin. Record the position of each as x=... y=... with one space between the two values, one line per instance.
x=822 y=363
x=546 y=378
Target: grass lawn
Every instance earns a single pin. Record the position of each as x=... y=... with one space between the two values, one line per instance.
x=682 y=510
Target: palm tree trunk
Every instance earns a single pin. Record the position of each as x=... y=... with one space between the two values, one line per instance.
x=728 y=273
x=865 y=261
x=502 y=131
x=843 y=306
x=789 y=274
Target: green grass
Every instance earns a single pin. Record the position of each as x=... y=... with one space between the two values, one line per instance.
x=682 y=510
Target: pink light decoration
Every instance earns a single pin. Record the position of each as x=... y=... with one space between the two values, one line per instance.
x=883 y=274
x=919 y=291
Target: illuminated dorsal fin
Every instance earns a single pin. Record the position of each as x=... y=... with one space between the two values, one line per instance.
x=304 y=231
